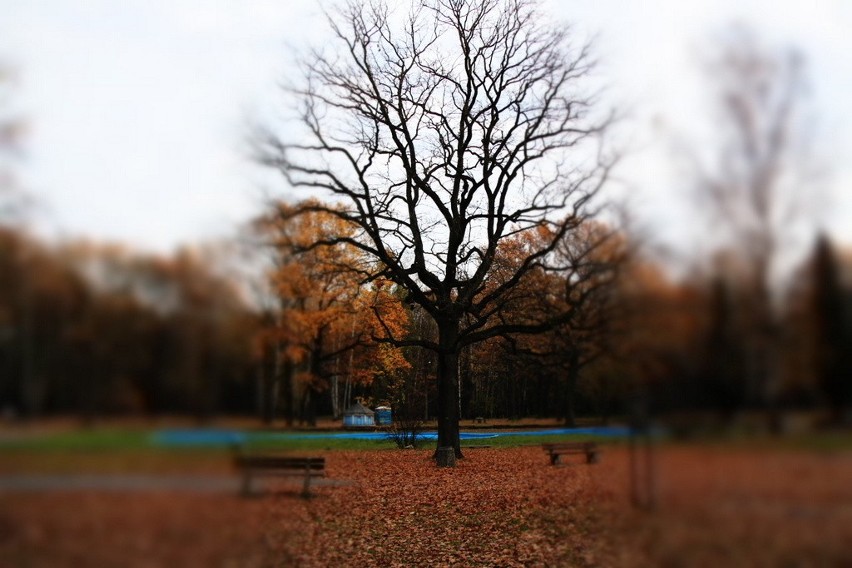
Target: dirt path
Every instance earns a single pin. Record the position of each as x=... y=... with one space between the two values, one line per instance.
x=136 y=483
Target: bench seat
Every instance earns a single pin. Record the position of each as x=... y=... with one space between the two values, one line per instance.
x=557 y=450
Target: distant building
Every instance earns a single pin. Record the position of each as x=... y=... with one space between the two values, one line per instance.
x=358 y=416
x=384 y=416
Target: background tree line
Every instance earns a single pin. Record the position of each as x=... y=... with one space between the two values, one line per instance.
x=96 y=331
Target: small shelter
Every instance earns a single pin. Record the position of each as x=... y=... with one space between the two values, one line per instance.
x=384 y=415
x=358 y=416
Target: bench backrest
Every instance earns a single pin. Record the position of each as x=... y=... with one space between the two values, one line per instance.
x=585 y=446
x=280 y=462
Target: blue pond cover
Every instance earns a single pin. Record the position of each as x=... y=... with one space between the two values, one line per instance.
x=197 y=437
x=217 y=437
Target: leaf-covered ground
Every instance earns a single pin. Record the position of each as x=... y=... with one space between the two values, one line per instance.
x=499 y=507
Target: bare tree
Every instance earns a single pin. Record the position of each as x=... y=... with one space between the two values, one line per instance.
x=12 y=199
x=757 y=179
x=441 y=133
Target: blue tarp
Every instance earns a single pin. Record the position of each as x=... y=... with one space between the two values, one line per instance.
x=214 y=437
x=198 y=437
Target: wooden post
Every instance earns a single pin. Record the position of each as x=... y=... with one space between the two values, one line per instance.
x=642 y=472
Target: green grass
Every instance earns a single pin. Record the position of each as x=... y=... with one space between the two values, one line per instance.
x=533 y=440
x=137 y=440
x=126 y=451
x=87 y=439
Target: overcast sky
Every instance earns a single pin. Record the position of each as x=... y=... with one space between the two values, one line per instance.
x=138 y=108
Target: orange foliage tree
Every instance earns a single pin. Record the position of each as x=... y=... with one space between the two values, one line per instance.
x=331 y=322
x=582 y=293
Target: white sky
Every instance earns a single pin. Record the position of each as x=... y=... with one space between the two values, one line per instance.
x=138 y=108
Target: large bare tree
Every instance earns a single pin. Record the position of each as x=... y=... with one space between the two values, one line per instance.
x=441 y=133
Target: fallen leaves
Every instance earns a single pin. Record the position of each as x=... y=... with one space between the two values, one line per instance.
x=405 y=511
x=498 y=507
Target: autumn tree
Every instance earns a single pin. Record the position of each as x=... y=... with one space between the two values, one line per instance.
x=583 y=291
x=833 y=331
x=723 y=359
x=659 y=330
x=40 y=299
x=439 y=134
x=597 y=256
x=329 y=319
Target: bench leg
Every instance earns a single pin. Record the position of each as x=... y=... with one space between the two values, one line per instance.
x=306 y=488
x=592 y=457
x=246 y=486
x=554 y=459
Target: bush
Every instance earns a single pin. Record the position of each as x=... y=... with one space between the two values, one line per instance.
x=405 y=432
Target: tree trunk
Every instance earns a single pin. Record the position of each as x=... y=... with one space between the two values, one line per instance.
x=335 y=398
x=448 y=385
x=266 y=388
x=571 y=388
x=466 y=386
x=286 y=386
x=445 y=457
x=312 y=390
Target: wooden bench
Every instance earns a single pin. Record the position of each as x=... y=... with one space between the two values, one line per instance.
x=590 y=449
x=272 y=465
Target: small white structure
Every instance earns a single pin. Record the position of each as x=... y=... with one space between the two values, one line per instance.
x=358 y=416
